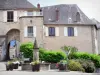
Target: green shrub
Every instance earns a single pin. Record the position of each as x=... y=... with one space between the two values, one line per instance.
x=27 y=50
x=42 y=54
x=88 y=65
x=51 y=56
x=93 y=57
x=75 y=66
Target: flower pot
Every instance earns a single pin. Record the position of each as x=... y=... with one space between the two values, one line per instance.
x=62 y=66
x=36 y=67
x=9 y=67
x=15 y=66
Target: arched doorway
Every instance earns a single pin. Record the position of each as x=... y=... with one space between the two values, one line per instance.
x=13 y=39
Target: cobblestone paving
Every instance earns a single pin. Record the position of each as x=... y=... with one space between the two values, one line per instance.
x=19 y=72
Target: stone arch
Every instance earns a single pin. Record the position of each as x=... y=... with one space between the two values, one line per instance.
x=13 y=34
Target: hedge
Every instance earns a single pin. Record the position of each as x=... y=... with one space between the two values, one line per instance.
x=27 y=50
x=51 y=56
x=93 y=57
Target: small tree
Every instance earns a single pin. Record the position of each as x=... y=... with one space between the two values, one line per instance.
x=69 y=50
x=27 y=50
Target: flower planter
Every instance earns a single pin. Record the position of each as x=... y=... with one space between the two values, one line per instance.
x=62 y=67
x=36 y=67
x=15 y=66
x=53 y=66
x=97 y=70
x=44 y=66
x=9 y=67
x=26 y=67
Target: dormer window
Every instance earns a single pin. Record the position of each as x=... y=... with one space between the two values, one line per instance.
x=57 y=14
x=78 y=17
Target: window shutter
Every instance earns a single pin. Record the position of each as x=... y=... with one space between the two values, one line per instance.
x=57 y=31
x=46 y=31
x=15 y=16
x=25 y=31
x=75 y=31
x=65 y=31
x=5 y=16
x=34 y=31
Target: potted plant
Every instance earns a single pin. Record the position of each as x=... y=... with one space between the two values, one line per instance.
x=15 y=63
x=35 y=66
x=62 y=65
x=9 y=66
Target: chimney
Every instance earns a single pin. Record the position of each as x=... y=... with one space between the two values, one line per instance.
x=57 y=14
x=38 y=5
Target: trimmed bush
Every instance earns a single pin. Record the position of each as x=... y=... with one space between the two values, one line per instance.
x=75 y=66
x=93 y=57
x=51 y=56
x=27 y=50
x=88 y=65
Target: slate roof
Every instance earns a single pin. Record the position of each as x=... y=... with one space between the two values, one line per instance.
x=15 y=4
x=97 y=23
x=67 y=15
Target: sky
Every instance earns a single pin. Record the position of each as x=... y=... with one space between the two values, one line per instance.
x=90 y=7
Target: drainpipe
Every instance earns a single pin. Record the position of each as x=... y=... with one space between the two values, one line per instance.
x=93 y=39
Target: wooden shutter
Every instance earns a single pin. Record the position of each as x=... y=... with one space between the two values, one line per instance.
x=5 y=16
x=57 y=31
x=15 y=16
x=75 y=31
x=65 y=31
x=34 y=31
x=46 y=31
x=25 y=31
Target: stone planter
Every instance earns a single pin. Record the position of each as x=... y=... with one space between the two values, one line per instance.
x=97 y=70
x=44 y=66
x=53 y=66
x=26 y=67
x=62 y=67
x=36 y=67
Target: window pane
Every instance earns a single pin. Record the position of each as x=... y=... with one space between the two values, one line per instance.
x=51 y=31
x=70 y=31
x=10 y=16
x=30 y=13
x=30 y=31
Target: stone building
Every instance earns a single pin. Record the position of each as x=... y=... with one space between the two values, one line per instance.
x=52 y=26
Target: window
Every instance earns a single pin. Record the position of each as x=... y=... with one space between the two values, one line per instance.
x=10 y=16
x=70 y=31
x=51 y=31
x=29 y=13
x=30 y=31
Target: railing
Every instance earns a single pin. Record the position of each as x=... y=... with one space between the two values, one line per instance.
x=30 y=34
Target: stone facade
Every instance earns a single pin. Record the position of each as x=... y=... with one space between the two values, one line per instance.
x=86 y=39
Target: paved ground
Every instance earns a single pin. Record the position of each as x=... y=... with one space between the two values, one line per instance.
x=19 y=72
